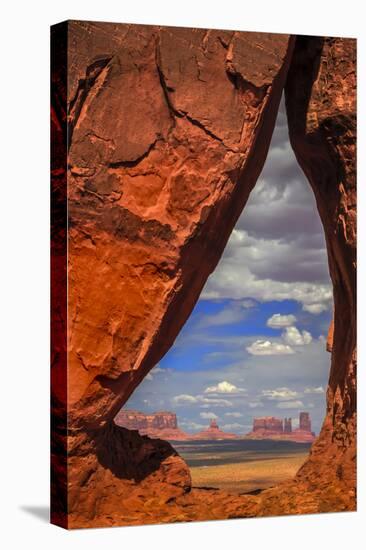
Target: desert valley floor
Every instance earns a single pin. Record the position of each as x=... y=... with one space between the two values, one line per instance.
x=242 y=466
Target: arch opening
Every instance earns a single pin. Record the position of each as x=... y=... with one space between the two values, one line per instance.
x=241 y=393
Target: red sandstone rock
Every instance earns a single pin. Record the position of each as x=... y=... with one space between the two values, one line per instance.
x=168 y=130
x=321 y=108
x=213 y=432
x=330 y=337
x=270 y=427
x=305 y=422
x=137 y=473
x=163 y=126
x=268 y=424
x=161 y=425
x=147 y=188
x=287 y=425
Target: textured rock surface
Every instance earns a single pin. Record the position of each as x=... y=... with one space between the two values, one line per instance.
x=321 y=107
x=305 y=422
x=157 y=179
x=133 y=476
x=270 y=427
x=153 y=174
x=268 y=424
x=287 y=425
x=162 y=424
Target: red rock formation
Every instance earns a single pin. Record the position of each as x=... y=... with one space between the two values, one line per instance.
x=287 y=426
x=168 y=130
x=305 y=422
x=270 y=427
x=321 y=107
x=268 y=424
x=162 y=424
x=152 y=175
x=330 y=337
x=213 y=432
x=136 y=472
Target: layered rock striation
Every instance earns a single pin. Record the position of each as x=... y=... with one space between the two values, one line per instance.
x=268 y=424
x=162 y=424
x=159 y=135
x=167 y=132
x=270 y=427
x=321 y=108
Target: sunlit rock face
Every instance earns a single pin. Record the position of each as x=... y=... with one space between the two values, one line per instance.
x=167 y=131
x=160 y=425
x=321 y=109
x=278 y=429
x=152 y=175
x=269 y=424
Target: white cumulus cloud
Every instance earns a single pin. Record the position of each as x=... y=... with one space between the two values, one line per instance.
x=281 y=321
x=265 y=347
x=234 y=414
x=315 y=309
x=184 y=399
x=294 y=337
x=201 y=400
x=280 y=394
x=319 y=389
x=224 y=387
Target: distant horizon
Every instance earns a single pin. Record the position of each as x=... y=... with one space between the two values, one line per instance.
x=165 y=411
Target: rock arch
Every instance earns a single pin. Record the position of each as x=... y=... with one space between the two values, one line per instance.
x=153 y=195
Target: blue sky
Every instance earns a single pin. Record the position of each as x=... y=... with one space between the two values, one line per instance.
x=255 y=342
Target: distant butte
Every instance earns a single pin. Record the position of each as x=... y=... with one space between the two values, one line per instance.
x=164 y=425
x=214 y=432
x=270 y=427
x=158 y=425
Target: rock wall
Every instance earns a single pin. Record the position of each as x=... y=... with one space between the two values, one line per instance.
x=152 y=175
x=268 y=423
x=136 y=420
x=287 y=426
x=321 y=107
x=148 y=188
x=162 y=424
x=156 y=181
x=270 y=427
x=305 y=422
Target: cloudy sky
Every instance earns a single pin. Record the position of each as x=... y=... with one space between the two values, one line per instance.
x=255 y=343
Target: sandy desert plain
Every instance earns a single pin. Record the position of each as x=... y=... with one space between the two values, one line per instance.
x=242 y=466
